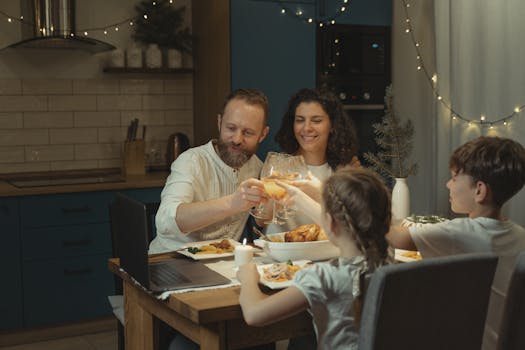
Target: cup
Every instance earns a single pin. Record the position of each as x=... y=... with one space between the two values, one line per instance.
x=243 y=254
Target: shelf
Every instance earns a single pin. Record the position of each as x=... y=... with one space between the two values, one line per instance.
x=364 y=107
x=148 y=70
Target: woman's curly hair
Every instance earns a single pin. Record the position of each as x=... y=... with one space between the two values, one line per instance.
x=342 y=141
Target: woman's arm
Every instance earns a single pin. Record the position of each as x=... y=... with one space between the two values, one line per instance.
x=260 y=309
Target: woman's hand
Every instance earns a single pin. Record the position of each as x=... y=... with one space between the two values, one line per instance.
x=248 y=274
x=311 y=186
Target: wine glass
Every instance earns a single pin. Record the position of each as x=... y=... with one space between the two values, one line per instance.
x=273 y=169
x=295 y=170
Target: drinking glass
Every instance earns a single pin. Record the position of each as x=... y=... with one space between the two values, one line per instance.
x=274 y=168
x=295 y=170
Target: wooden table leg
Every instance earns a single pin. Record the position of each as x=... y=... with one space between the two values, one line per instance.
x=213 y=336
x=139 y=324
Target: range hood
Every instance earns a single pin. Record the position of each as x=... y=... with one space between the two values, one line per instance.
x=54 y=28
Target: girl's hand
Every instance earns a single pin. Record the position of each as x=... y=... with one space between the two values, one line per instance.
x=311 y=186
x=303 y=202
x=248 y=274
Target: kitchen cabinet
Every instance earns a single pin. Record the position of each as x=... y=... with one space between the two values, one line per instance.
x=10 y=266
x=148 y=70
x=54 y=254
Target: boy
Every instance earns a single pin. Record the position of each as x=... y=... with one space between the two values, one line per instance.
x=485 y=173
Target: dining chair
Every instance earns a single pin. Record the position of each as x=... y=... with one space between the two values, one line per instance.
x=433 y=304
x=117 y=300
x=511 y=335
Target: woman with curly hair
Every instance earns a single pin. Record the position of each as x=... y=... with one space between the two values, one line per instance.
x=316 y=127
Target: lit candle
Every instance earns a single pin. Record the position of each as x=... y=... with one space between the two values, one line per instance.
x=243 y=254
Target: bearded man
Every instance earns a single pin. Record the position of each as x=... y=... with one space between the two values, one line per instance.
x=212 y=187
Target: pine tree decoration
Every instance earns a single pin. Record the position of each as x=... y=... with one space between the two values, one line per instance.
x=159 y=22
x=395 y=141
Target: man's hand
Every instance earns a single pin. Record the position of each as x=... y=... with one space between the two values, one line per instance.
x=249 y=194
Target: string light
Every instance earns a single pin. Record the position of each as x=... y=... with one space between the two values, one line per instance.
x=322 y=21
x=433 y=78
x=84 y=31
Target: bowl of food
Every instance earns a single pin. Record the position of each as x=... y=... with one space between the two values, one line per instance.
x=305 y=242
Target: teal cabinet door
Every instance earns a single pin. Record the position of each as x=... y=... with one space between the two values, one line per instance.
x=11 y=309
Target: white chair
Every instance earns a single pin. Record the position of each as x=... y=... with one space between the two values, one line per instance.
x=433 y=304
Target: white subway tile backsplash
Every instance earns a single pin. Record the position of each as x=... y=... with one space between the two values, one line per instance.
x=118 y=102
x=11 y=155
x=178 y=117
x=72 y=103
x=46 y=86
x=49 y=153
x=11 y=120
x=98 y=151
x=23 y=103
x=112 y=135
x=65 y=124
x=95 y=86
x=179 y=85
x=74 y=165
x=161 y=102
x=144 y=117
x=10 y=86
x=141 y=86
x=40 y=120
x=72 y=136
x=21 y=137
x=97 y=119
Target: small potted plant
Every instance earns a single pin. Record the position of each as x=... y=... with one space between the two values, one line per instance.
x=395 y=140
x=160 y=26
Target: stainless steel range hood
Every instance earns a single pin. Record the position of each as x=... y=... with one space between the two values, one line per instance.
x=54 y=28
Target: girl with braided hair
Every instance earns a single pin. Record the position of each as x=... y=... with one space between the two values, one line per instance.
x=356 y=216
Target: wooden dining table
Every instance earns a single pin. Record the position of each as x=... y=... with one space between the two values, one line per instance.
x=211 y=318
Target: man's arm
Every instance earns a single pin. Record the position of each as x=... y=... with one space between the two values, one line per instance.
x=197 y=215
x=399 y=237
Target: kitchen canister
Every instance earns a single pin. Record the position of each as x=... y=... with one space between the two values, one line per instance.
x=134 y=57
x=153 y=56
x=174 y=58
x=116 y=58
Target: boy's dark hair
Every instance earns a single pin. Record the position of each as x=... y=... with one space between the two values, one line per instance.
x=252 y=97
x=342 y=142
x=498 y=162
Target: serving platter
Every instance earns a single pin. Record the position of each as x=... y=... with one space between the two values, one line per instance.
x=279 y=250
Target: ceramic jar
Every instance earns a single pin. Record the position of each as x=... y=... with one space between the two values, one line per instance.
x=134 y=57
x=153 y=56
x=174 y=58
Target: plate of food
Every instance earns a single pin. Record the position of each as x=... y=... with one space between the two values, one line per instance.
x=280 y=275
x=407 y=255
x=211 y=249
x=305 y=242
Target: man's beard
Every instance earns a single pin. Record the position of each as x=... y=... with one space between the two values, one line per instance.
x=233 y=160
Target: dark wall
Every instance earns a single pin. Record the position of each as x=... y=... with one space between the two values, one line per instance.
x=276 y=52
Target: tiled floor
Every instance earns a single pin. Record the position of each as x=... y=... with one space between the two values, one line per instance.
x=96 y=341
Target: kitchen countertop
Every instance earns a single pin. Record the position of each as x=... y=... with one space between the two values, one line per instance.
x=150 y=179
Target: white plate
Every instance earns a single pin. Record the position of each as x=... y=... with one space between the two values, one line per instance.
x=278 y=285
x=402 y=258
x=206 y=256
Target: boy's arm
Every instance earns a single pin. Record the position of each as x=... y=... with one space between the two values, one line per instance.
x=260 y=309
x=399 y=237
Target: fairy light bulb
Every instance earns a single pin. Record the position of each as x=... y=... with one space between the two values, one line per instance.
x=9 y=20
x=505 y=123
x=310 y=20
x=454 y=117
x=407 y=30
x=332 y=21
x=116 y=29
x=131 y=24
x=321 y=24
x=105 y=32
x=336 y=41
x=85 y=33
x=145 y=16
x=22 y=18
x=299 y=13
x=408 y=5
x=417 y=44
x=434 y=78
x=517 y=109
x=283 y=10
x=343 y=9
x=439 y=98
x=418 y=67
x=482 y=118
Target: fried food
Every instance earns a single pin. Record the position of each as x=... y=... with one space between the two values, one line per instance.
x=412 y=255
x=305 y=233
x=221 y=247
x=280 y=272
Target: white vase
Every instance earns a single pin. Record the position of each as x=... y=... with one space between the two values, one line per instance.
x=153 y=56
x=134 y=57
x=116 y=58
x=400 y=200
x=174 y=58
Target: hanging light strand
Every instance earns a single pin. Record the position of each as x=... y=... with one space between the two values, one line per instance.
x=432 y=81
x=298 y=14
x=84 y=31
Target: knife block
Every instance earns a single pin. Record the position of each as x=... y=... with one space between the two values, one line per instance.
x=133 y=162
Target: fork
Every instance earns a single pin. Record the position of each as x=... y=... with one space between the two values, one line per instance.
x=261 y=234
